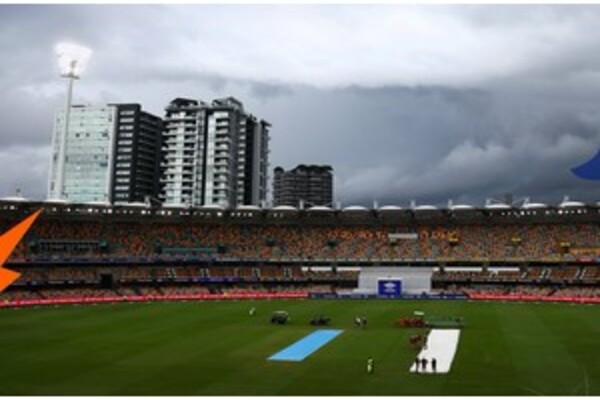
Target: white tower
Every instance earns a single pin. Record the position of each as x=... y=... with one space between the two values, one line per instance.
x=72 y=60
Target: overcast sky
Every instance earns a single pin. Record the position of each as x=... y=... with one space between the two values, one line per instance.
x=405 y=102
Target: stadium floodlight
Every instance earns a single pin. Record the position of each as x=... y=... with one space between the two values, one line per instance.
x=72 y=60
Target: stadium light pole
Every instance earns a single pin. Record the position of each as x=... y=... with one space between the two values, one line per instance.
x=72 y=60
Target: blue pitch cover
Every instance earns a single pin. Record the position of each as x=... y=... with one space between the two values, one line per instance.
x=304 y=347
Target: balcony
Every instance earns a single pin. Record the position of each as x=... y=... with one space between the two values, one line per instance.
x=179 y=117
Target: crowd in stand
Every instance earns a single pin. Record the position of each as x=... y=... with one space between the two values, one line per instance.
x=197 y=289
x=55 y=239
x=555 y=273
x=124 y=274
x=528 y=290
x=578 y=292
x=154 y=290
x=591 y=273
x=468 y=242
x=84 y=281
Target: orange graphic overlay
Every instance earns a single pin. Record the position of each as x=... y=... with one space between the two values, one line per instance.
x=8 y=242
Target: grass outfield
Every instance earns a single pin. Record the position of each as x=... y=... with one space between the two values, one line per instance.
x=213 y=348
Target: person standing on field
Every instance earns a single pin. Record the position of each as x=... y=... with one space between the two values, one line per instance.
x=433 y=365
x=357 y=322
x=370 y=365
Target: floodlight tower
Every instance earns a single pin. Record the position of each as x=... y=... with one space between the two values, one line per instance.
x=72 y=60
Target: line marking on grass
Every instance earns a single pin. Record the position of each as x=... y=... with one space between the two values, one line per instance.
x=533 y=391
x=576 y=389
x=304 y=347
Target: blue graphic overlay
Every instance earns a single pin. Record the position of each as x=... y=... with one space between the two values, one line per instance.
x=389 y=288
x=590 y=169
x=306 y=346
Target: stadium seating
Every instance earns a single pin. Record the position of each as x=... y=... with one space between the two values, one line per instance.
x=464 y=242
x=115 y=257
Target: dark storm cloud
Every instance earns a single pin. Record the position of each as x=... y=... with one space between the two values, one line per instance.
x=432 y=144
x=406 y=102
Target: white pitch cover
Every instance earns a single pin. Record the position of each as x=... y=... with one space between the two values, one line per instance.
x=441 y=344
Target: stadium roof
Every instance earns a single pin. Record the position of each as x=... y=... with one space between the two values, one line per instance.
x=569 y=204
x=98 y=203
x=320 y=209
x=426 y=207
x=180 y=206
x=390 y=208
x=14 y=198
x=248 y=208
x=389 y=214
x=212 y=207
x=459 y=207
x=498 y=206
x=284 y=208
x=355 y=208
x=134 y=204
x=56 y=201
x=533 y=206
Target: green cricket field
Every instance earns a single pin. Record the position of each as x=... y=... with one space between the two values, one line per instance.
x=217 y=348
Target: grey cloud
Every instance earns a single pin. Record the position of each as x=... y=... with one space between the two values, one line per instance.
x=268 y=91
x=465 y=129
x=531 y=161
x=25 y=170
x=26 y=118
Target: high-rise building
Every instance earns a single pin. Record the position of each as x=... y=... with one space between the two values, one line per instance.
x=136 y=172
x=305 y=185
x=253 y=165
x=111 y=154
x=215 y=154
x=183 y=152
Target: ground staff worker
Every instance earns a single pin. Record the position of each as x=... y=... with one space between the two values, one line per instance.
x=370 y=365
